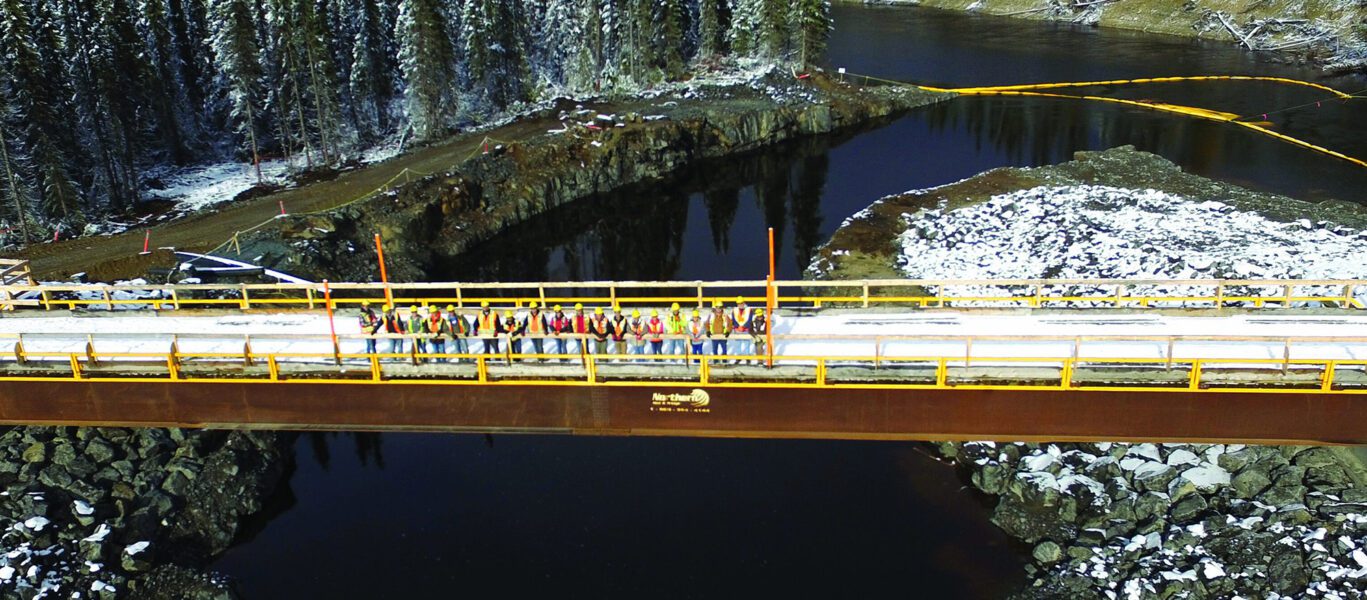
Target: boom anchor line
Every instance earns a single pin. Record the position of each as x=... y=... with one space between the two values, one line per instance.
x=1033 y=90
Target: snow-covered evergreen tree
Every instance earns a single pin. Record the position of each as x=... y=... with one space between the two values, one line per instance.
x=568 y=59
x=369 y=79
x=811 y=29
x=238 y=60
x=15 y=202
x=495 y=62
x=711 y=37
x=425 y=58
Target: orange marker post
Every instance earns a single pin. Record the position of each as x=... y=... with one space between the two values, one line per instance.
x=384 y=276
x=771 y=302
x=332 y=325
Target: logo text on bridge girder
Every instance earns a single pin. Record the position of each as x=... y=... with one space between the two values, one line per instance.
x=697 y=401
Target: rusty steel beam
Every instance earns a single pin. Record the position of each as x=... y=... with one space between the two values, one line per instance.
x=757 y=412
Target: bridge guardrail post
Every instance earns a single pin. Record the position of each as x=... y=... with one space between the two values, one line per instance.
x=375 y=372
x=821 y=371
x=1194 y=380
x=75 y=366
x=90 y=350
x=481 y=369
x=19 y=357
x=942 y=373
x=1327 y=376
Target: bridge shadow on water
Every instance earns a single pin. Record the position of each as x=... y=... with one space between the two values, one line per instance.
x=436 y=515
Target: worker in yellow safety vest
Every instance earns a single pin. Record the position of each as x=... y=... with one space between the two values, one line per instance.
x=417 y=327
x=440 y=329
x=488 y=327
x=515 y=332
x=674 y=326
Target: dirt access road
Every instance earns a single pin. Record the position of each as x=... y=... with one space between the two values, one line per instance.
x=117 y=256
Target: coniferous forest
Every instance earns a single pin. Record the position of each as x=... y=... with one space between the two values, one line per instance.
x=95 y=93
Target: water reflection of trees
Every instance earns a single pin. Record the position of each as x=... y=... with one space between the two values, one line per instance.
x=1039 y=131
x=368 y=447
x=639 y=232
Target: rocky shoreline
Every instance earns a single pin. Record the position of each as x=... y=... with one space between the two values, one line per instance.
x=113 y=513
x=1326 y=33
x=598 y=147
x=1138 y=520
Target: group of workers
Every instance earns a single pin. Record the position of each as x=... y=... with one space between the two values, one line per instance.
x=739 y=330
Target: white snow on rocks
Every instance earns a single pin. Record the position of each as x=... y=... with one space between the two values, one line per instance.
x=1077 y=232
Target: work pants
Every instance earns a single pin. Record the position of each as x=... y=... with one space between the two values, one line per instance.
x=676 y=347
x=657 y=347
x=459 y=347
x=372 y=346
x=600 y=346
x=396 y=346
x=697 y=351
x=719 y=347
x=439 y=347
x=538 y=346
x=491 y=346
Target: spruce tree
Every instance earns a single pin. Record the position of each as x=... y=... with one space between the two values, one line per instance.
x=568 y=59
x=237 y=56
x=425 y=58
x=159 y=79
x=369 y=80
x=16 y=195
x=711 y=37
x=667 y=36
x=37 y=95
x=812 y=28
x=495 y=62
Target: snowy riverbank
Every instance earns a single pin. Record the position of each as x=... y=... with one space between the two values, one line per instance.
x=1139 y=521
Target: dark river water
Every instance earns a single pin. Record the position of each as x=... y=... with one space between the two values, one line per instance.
x=428 y=515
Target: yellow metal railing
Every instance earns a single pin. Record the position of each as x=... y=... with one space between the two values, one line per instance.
x=965 y=293
x=879 y=371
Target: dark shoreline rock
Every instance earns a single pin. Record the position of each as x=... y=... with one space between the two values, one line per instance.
x=108 y=511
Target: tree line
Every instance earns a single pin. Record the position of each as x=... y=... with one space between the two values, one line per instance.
x=93 y=93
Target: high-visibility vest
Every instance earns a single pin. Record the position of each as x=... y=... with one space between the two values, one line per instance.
x=392 y=323
x=488 y=323
x=696 y=330
x=417 y=324
x=637 y=328
x=740 y=318
x=675 y=322
x=619 y=329
x=581 y=323
x=458 y=324
x=438 y=324
x=656 y=328
x=536 y=324
x=718 y=325
x=560 y=323
x=598 y=326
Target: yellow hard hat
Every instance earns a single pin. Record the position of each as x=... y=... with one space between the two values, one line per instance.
x=365 y=303
x=533 y=306
x=508 y=313
x=557 y=308
x=759 y=311
x=578 y=307
x=484 y=304
x=740 y=300
x=696 y=313
x=716 y=304
x=450 y=308
x=389 y=307
x=635 y=313
x=598 y=311
x=413 y=307
x=674 y=307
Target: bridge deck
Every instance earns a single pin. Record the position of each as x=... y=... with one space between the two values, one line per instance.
x=1283 y=376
